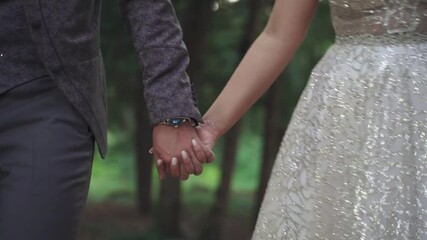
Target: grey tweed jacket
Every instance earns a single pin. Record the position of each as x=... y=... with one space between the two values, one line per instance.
x=66 y=35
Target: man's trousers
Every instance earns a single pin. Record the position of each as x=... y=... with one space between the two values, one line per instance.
x=46 y=151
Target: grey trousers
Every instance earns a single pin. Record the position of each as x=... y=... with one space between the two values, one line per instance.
x=46 y=151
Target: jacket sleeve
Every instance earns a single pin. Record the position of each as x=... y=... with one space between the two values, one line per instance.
x=157 y=37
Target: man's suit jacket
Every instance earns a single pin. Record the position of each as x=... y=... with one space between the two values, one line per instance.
x=66 y=35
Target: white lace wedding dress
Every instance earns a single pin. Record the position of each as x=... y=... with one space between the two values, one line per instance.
x=353 y=162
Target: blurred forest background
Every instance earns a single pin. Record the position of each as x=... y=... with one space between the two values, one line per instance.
x=126 y=199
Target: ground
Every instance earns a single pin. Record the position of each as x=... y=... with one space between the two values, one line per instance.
x=118 y=221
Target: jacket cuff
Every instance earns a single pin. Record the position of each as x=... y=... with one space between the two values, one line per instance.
x=168 y=91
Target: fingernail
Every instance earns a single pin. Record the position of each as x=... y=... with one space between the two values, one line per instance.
x=174 y=161
x=159 y=162
x=194 y=142
x=184 y=154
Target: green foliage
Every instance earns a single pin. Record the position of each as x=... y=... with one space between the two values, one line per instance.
x=114 y=177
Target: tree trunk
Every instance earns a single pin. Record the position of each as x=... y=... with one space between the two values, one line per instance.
x=214 y=231
x=144 y=161
x=252 y=25
x=196 y=27
x=170 y=207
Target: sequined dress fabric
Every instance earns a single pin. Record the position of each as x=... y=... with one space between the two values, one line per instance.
x=353 y=162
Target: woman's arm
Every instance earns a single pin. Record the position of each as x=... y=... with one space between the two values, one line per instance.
x=262 y=64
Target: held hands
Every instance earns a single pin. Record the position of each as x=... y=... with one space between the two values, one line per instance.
x=182 y=151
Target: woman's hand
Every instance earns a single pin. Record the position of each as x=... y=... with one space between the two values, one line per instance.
x=208 y=134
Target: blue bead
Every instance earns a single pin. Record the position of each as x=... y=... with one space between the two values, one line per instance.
x=175 y=121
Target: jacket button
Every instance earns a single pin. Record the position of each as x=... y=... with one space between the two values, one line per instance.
x=36 y=24
x=56 y=68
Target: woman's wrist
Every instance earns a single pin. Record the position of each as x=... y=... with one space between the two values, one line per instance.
x=212 y=127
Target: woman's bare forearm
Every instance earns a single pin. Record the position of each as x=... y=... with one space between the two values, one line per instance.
x=262 y=64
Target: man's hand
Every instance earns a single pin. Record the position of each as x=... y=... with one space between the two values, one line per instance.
x=179 y=151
